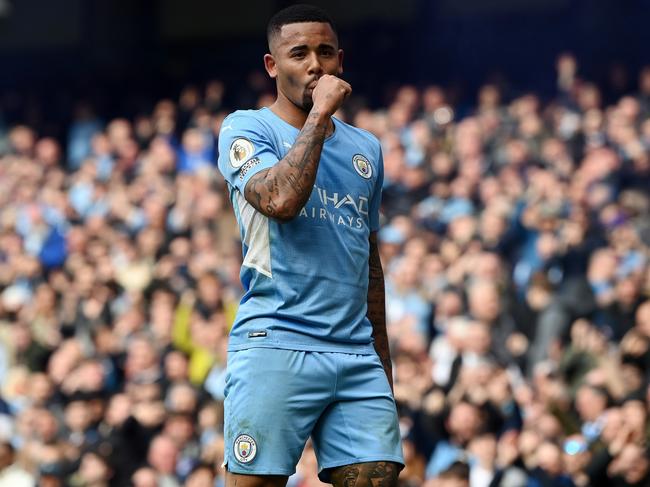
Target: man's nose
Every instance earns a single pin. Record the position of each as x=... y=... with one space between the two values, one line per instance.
x=314 y=64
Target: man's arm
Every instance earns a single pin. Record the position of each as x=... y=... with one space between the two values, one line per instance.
x=281 y=191
x=377 y=307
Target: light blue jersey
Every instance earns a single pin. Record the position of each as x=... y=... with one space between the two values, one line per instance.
x=305 y=281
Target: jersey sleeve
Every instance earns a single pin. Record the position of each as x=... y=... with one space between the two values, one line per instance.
x=244 y=150
x=375 y=202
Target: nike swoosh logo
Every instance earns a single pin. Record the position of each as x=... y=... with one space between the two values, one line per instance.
x=286 y=144
x=226 y=127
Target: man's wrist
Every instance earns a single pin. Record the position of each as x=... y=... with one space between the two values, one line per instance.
x=319 y=114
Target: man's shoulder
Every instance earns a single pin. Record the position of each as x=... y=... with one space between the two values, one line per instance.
x=367 y=136
x=247 y=124
x=251 y=116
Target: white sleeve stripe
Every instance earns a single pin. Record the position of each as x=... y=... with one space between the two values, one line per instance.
x=256 y=237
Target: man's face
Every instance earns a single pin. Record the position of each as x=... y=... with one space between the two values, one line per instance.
x=463 y=422
x=300 y=54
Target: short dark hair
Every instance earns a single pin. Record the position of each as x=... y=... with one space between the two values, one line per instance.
x=294 y=14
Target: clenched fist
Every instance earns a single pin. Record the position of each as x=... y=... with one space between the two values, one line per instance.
x=329 y=93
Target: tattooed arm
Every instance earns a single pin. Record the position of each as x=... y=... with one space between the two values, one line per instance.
x=377 y=307
x=281 y=191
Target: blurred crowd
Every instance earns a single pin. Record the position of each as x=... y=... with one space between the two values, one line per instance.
x=515 y=242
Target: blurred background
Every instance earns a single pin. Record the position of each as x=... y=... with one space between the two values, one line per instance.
x=515 y=234
x=70 y=49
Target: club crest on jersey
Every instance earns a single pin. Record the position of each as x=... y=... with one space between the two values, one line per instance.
x=245 y=448
x=362 y=166
x=241 y=150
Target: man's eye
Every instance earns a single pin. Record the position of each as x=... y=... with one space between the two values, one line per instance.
x=298 y=55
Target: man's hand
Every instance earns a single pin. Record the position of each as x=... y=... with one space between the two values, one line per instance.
x=329 y=93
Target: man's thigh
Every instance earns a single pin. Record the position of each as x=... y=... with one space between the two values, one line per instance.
x=371 y=474
x=361 y=425
x=273 y=399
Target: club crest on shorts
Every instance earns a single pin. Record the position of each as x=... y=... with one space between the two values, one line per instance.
x=241 y=150
x=245 y=448
x=362 y=166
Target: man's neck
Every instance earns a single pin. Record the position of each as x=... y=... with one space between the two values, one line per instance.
x=293 y=115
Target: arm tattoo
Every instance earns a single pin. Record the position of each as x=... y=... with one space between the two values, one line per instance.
x=281 y=191
x=377 y=307
x=372 y=474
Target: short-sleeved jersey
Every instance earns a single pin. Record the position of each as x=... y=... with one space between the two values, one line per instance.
x=306 y=280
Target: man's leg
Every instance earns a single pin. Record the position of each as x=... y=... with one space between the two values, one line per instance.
x=371 y=474
x=239 y=480
x=358 y=434
x=273 y=399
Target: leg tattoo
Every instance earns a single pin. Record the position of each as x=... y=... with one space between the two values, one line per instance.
x=372 y=474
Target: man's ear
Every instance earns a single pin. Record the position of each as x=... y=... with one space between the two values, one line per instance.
x=340 y=62
x=270 y=66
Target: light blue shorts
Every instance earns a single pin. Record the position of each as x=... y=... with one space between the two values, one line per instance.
x=276 y=399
